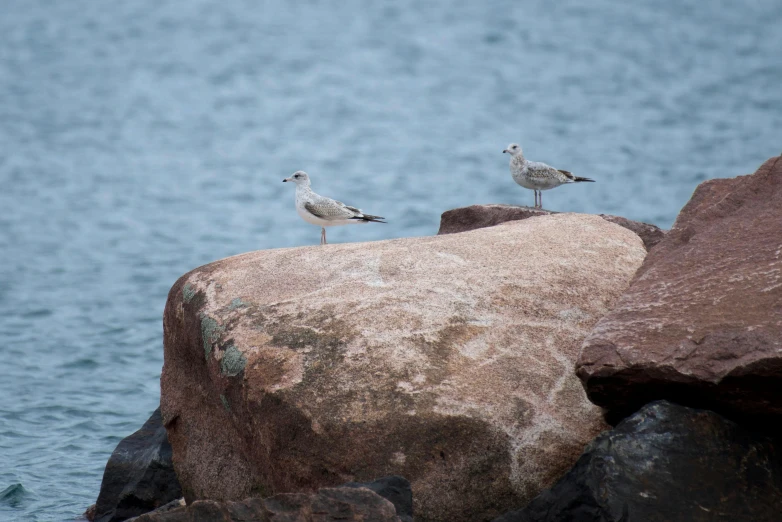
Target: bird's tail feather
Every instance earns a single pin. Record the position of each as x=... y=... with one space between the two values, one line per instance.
x=369 y=217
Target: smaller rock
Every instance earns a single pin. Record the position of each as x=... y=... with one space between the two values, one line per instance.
x=667 y=463
x=139 y=476
x=395 y=489
x=649 y=234
x=174 y=504
x=701 y=322
x=482 y=216
x=345 y=504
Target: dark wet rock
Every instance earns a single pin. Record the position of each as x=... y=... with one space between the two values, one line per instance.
x=481 y=216
x=345 y=504
x=139 y=476
x=174 y=504
x=667 y=463
x=13 y=495
x=395 y=489
x=701 y=323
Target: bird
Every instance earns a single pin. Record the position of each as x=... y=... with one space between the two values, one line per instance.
x=537 y=176
x=322 y=211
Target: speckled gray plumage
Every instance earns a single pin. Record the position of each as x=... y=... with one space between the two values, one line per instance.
x=537 y=176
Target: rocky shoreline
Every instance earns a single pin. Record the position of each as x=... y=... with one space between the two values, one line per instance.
x=478 y=364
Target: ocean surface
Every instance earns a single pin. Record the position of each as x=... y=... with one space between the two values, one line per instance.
x=141 y=139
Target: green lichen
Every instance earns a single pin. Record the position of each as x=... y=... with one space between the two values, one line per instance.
x=188 y=293
x=232 y=362
x=225 y=403
x=210 y=333
x=236 y=303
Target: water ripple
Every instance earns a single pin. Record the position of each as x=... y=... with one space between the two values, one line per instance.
x=144 y=140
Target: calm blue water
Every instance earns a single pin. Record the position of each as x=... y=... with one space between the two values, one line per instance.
x=141 y=139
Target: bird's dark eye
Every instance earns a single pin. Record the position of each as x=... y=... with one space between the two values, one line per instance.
x=296 y=176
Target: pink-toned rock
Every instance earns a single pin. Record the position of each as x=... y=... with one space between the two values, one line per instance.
x=447 y=360
x=473 y=217
x=649 y=234
x=702 y=322
x=481 y=216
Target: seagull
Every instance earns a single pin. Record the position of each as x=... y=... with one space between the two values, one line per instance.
x=323 y=211
x=537 y=176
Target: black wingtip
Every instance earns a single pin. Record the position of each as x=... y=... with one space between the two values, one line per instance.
x=370 y=219
x=584 y=179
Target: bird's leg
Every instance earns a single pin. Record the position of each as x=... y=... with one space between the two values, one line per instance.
x=540 y=199
x=536 y=198
x=323 y=236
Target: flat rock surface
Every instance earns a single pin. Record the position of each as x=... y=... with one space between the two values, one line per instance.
x=667 y=463
x=480 y=216
x=447 y=360
x=701 y=323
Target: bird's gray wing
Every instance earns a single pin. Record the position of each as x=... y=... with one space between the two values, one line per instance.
x=541 y=170
x=329 y=209
x=567 y=173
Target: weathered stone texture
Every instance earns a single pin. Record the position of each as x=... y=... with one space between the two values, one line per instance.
x=701 y=323
x=447 y=360
x=667 y=463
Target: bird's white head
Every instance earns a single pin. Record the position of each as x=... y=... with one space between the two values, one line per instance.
x=300 y=178
x=513 y=149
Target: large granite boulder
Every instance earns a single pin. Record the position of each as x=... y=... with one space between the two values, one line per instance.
x=701 y=323
x=447 y=360
x=667 y=463
x=139 y=476
x=344 y=504
x=480 y=216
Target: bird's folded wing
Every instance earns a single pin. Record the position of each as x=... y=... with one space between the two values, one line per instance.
x=567 y=174
x=329 y=210
x=541 y=170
